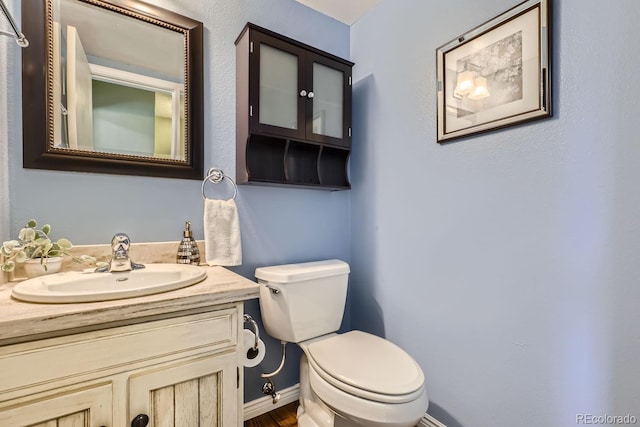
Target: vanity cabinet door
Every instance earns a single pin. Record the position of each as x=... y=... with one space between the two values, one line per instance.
x=188 y=394
x=86 y=407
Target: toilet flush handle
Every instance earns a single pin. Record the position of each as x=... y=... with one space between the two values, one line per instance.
x=274 y=289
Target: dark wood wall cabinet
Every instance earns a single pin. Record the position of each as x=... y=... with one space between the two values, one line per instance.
x=293 y=113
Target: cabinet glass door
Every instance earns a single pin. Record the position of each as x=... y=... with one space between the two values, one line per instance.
x=328 y=101
x=328 y=117
x=278 y=87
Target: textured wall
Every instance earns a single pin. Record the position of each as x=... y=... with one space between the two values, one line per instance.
x=5 y=44
x=278 y=225
x=507 y=264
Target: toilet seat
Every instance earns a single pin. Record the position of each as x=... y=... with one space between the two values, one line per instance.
x=366 y=366
x=365 y=412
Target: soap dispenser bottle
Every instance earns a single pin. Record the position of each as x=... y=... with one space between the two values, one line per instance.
x=188 y=252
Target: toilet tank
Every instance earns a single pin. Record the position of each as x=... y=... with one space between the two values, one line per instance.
x=303 y=301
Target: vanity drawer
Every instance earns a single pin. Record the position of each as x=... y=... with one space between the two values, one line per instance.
x=90 y=355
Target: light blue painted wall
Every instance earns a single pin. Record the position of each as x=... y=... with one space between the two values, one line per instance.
x=507 y=264
x=278 y=225
x=5 y=44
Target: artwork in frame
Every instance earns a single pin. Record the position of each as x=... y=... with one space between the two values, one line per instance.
x=497 y=74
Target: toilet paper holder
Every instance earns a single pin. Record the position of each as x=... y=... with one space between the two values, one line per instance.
x=269 y=387
x=253 y=352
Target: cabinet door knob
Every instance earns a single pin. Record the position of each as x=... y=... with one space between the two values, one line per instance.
x=140 y=421
x=310 y=95
x=303 y=93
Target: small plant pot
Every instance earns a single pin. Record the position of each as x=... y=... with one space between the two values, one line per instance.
x=34 y=268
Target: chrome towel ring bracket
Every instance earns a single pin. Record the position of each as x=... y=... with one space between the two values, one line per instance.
x=216 y=176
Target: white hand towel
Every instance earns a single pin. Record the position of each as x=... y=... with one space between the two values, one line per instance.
x=222 y=233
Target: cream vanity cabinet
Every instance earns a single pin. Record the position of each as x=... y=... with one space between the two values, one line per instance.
x=177 y=369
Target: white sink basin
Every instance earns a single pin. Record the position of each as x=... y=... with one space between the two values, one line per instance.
x=76 y=286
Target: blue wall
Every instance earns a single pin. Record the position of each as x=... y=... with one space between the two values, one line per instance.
x=507 y=263
x=278 y=225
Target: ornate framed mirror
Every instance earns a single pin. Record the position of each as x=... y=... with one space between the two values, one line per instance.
x=112 y=87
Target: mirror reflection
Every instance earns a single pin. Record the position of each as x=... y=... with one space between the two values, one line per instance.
x=112 y=87
x=125 y=96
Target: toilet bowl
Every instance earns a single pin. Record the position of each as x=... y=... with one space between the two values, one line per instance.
x=349 y=379
x=363 y=380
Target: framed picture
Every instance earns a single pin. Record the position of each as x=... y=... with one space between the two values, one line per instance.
x=497 y=74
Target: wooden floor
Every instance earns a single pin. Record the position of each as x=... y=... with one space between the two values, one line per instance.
x=281 y=417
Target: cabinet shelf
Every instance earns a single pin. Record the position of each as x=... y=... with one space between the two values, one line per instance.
x=285 y=133
x=265 y=158
x=332 y=167
x=277 y=161
x=301 y=163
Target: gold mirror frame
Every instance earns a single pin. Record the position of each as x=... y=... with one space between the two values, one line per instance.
x=37 y=97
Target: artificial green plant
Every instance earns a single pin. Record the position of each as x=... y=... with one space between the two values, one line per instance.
x=35 y=243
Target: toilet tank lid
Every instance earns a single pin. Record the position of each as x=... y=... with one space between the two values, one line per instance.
x=288 y=273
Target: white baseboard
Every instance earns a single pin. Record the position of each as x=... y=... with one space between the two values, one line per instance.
x=429 y=421
x=262 y=405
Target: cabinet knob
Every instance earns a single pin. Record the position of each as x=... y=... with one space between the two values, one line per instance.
x=310 y=95
x=140 y=421
x=303 y=93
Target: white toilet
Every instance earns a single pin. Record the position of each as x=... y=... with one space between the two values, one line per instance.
x=350 y=379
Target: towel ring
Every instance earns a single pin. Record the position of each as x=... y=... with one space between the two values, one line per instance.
x=216 y=176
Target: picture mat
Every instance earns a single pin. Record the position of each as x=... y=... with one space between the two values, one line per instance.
x=528 y=24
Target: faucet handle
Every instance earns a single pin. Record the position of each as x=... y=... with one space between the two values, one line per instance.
x=120 y=260
x=120 y=242
x=136 y=266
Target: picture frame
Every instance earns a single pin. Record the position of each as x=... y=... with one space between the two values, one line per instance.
x=496 y=75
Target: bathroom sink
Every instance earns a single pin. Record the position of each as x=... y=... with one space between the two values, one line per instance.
x=87 y=286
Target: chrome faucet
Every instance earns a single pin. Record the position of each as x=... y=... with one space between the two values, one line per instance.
x=120 y=260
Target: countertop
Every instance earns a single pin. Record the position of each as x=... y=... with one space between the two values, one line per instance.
x=24 y=321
